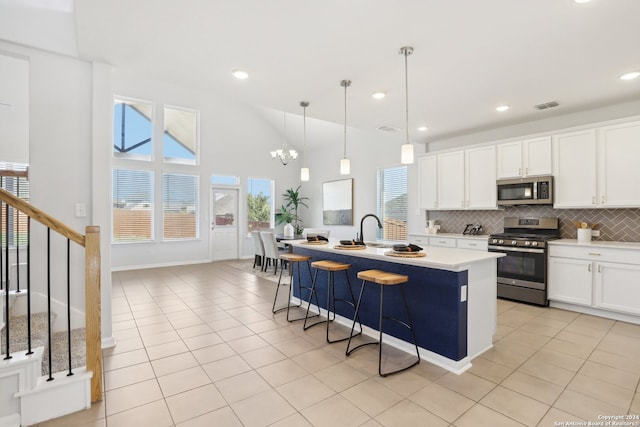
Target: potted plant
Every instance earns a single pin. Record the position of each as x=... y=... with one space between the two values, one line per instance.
x=289 y=211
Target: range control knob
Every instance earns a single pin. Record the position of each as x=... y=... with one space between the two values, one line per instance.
x=513 y=242
x=494 y=241
x=535 y=243
x=500 y=241
x=527 y=243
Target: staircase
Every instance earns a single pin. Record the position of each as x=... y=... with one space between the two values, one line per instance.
x=36 y=397
x=52 y=363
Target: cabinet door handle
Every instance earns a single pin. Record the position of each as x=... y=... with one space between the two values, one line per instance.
x=603 y=200
x=462 y=205
x=589 y=268
x=519 y=171
x=473 y=244
x=599 y=268
x=594 y=254
x=593 y=200
x=526 y=171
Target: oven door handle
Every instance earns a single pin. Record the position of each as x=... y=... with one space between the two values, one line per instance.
x=511 y=249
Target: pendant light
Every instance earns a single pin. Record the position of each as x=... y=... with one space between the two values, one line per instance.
x=406 y=151
x=304 y=170
x=345 y=164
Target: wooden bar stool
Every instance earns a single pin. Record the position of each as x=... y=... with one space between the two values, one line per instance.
x=383 y=279
x=331 y=267
x=293 y=260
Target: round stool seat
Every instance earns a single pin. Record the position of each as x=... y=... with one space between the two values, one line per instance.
x=330 y=265
x=371 y=275
x=391 y=279
x=295 y=257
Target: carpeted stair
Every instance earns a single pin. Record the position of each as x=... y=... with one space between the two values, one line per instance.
x=59 y=340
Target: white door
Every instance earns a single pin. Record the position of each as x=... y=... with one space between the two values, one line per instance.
x=224 y=224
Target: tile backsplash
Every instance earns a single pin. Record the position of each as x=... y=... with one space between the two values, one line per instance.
x=622 y=225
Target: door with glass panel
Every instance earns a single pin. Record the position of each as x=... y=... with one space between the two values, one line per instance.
x=224 y=224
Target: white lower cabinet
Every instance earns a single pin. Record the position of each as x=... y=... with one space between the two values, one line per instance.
x=570 y=280
x=479 y=244
x=617 y=287
x=602 y=278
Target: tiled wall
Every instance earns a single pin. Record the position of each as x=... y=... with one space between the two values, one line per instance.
x=622 y=225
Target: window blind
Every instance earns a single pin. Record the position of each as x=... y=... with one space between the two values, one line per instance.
x=392 y=206
x=180 y=206
x=132 y=205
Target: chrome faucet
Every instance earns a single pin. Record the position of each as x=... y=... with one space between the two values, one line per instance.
x=362 y=222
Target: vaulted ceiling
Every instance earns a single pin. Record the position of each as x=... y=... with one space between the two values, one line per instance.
x=470 y=56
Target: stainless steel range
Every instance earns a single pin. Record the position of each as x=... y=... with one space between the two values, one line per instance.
x=522 y=273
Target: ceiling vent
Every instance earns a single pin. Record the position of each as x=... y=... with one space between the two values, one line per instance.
x=546 y=105
x=387 y=128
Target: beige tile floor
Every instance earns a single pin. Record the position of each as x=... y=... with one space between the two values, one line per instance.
x=198 y=346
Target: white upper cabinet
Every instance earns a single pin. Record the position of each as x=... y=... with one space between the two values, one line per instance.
x=598 y=167
x=457 y=180
x=480 y=175
x=524 y=158
x=451 y=182
x=428 y=182
x=574 y=165
x=619 y=165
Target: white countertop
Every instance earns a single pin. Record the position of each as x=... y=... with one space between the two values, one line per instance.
x=597 y=244
x=451 y=259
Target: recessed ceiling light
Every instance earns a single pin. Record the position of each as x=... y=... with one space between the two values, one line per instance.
x=630 y=76
x=378 y=95
x=423 y=128
x=502 y=108
x=239 y=74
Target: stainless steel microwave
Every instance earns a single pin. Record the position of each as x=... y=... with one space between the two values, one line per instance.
x=533 y=190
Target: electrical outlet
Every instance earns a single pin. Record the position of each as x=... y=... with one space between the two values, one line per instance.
x=595 y=233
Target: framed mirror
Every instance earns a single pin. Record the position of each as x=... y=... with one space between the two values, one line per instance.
x=337 y=202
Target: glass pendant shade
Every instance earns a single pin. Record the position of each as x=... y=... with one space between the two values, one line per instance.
x=304 y=174
x=406 y=154
x=345 y=166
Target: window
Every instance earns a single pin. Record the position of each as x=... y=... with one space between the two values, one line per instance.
x=180 y=206
x=392 y=203
x=132 y=205
x=225 y=180
x=132 y=130
x=18 y=221
x=180 y=139
x=136 y=138
x=259 y=204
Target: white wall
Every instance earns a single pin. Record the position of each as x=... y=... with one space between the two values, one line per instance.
x=368 y=152
x=14 y=109
x=234 y=140
x=586 y=117
x=60 y=160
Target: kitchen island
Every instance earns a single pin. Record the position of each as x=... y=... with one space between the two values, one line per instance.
x=451 y=294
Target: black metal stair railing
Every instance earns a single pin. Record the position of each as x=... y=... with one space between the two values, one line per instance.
x=10 y=233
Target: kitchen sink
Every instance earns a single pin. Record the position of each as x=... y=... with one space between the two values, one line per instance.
x=379 y=245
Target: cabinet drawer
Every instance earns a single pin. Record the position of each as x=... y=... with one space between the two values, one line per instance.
x=595 y=253
x=480 y=245
x=442 y=241
x=418 y=240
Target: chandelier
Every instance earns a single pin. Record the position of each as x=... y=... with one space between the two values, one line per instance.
x=285 y=154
